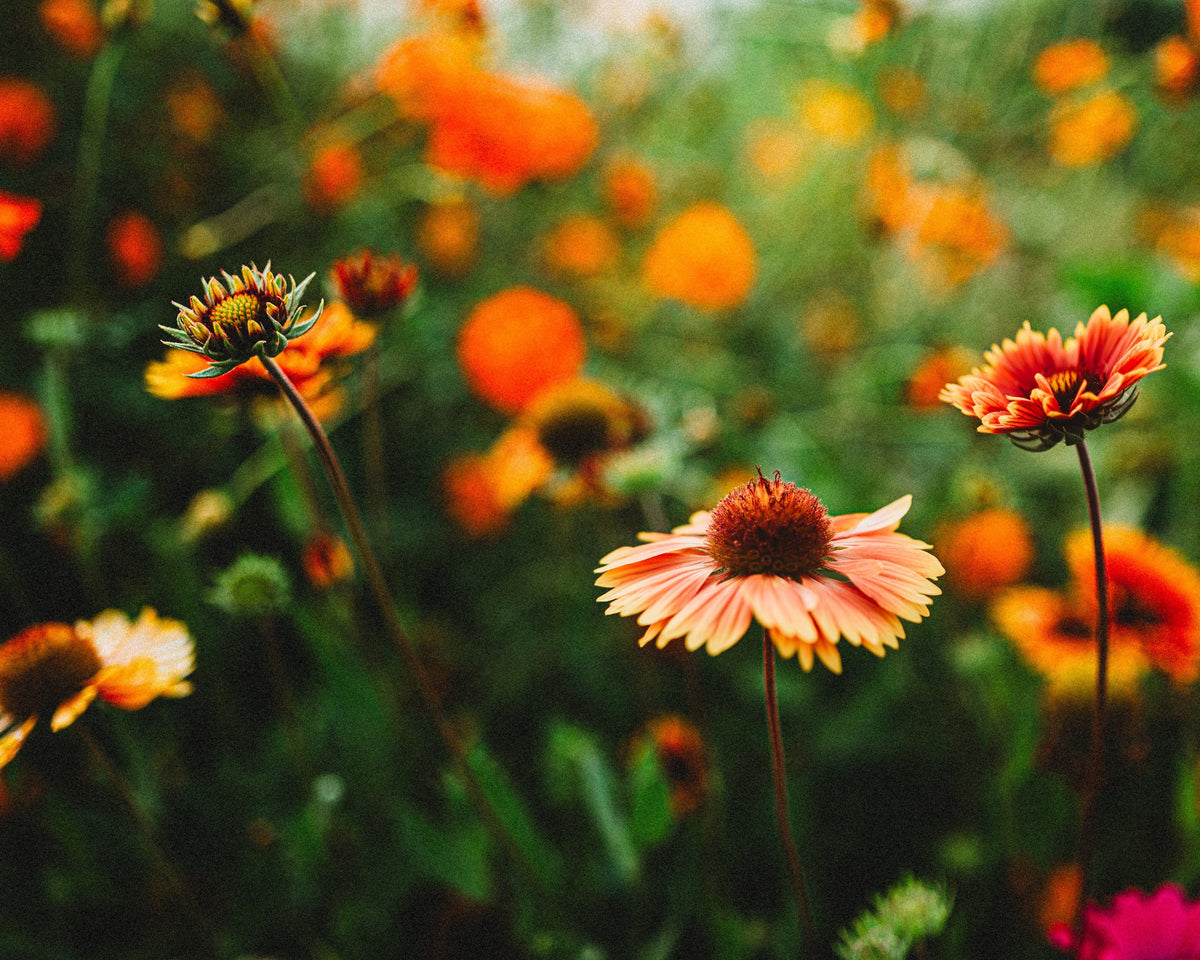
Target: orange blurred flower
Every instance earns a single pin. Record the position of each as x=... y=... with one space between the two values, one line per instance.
x=630 y=191
x=703 y=257
x=834 y=112
x=334 y=177
x=24 y=434
x=775 y=149
x=1176 y=67
x=902 y=90
x=134 y=248
x=1060 y=898
x=448 y=235
x=937 y=368
x=1069 y=65
x=1154 y=596
x=517 y=343
x=1091 y=131
x=423 y=72
x=1178 y=240
x=73 y=24
x=311 y=362
x=985 y=551
x=482 y=490
x=683 y=758
x=194 y=108
x=829 y=324
x=326 y=560
x=56 y=670
x=580 y=245
x=27 y=120
x=18 y=215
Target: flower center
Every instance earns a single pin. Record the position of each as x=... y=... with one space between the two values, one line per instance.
x=1066 y=383
x=238 y=310
x=770 y=526
x=43 y=666
x=572 y=435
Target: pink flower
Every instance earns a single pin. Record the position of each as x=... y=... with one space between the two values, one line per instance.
x=1162 y=925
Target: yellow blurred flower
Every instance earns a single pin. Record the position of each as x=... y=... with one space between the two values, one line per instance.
x=834 y=112
x=1087 y=132
x=703 y=257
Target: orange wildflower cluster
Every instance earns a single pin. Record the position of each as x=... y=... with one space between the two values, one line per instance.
x=630 y=191
x=73 y=24
x=134 y=247
x=703 y=257
x=18 y=215
x=1154 y=609
x=499 y=131
x=335 y=176
x=581 y=245
x=948 y=228
x=310 y=362
x=985 y=551
x=518 y=342
x=27 y=120
x=448 y=237
x=24 y=434
x=1069 y=65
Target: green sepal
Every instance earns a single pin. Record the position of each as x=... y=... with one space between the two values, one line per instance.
x=302 y=328
x=215 y=370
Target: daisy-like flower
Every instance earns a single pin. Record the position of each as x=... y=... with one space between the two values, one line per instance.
x=254 y=315
x=770 y=551
x=371 y=283
x=1040 y=390
x=1163 y=925
x=58 y=670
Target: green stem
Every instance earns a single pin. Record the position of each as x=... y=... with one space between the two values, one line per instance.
x=799 y=887
x=377 y=584
x=1095 y=762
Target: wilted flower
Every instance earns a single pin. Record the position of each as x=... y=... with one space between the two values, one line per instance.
x=58 y=670
x=24 y=434
x=134 y=247
x=1091 y=131
x=18 y=215
x=770 y=551
x=517 y=343
x=1039 y=390
x=985 y=551
x=703 y=257
x=27 y=120
x=1070 y=64
x=372 y=284
x=254 y=315
x=1163 y=925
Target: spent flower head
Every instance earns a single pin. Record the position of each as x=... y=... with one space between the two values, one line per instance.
x=252 y=315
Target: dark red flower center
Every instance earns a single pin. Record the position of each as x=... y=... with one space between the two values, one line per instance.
x=1066 y=383
x=43 y=666
x=770 y=526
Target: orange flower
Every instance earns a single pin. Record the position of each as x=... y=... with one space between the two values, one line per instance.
x=424 y=72
x=580 y=420
x=1091 y=131
x=517 y=343
x=703 y=258
x=683 y=757
x=1179 y=241
x=27 y=120
x=326 y=560
x=985 y=551
x=834 y=112
x=937 y=368
x=310 y=362
x=1154 y=596
x=1060 y=898
x=73 y=24
x=448 y=235
x=194 y=108
x=334 y=178
x=59 y=670
x=372 y=284
x=1040 y=390
x=18 y=215
x=770 y=551
x=630 y=191
x=775 y=149
x=1069 y=64
x=1176 y=67
x=24 y=434
x=482 y=491
x=581 y=245
x=134 y=247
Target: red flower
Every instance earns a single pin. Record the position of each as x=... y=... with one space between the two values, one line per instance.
x=18 y=215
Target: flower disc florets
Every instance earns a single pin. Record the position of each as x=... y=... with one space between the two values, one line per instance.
x=770 y=526
x=42 y=666
x=254 y=315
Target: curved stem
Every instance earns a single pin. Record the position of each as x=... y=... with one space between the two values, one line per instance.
x=391 y=618
x=799 y=888
x=1095 y=762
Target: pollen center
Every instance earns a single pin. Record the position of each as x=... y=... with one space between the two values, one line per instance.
x=770 y=526
x=1066 y=383
x=238 y=310
x=43 y=666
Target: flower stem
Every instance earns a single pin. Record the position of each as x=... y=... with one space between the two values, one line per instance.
x=391 y=618
x=1095 y=762
x=799 y=889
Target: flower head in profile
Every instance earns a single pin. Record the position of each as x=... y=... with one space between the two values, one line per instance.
x=1163 y=925
x=1040 y=390
x=771 y=551
x=372 y=283
x=252 y=315
x=56 y=670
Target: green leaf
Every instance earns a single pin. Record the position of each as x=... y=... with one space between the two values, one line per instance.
x=651 y=818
